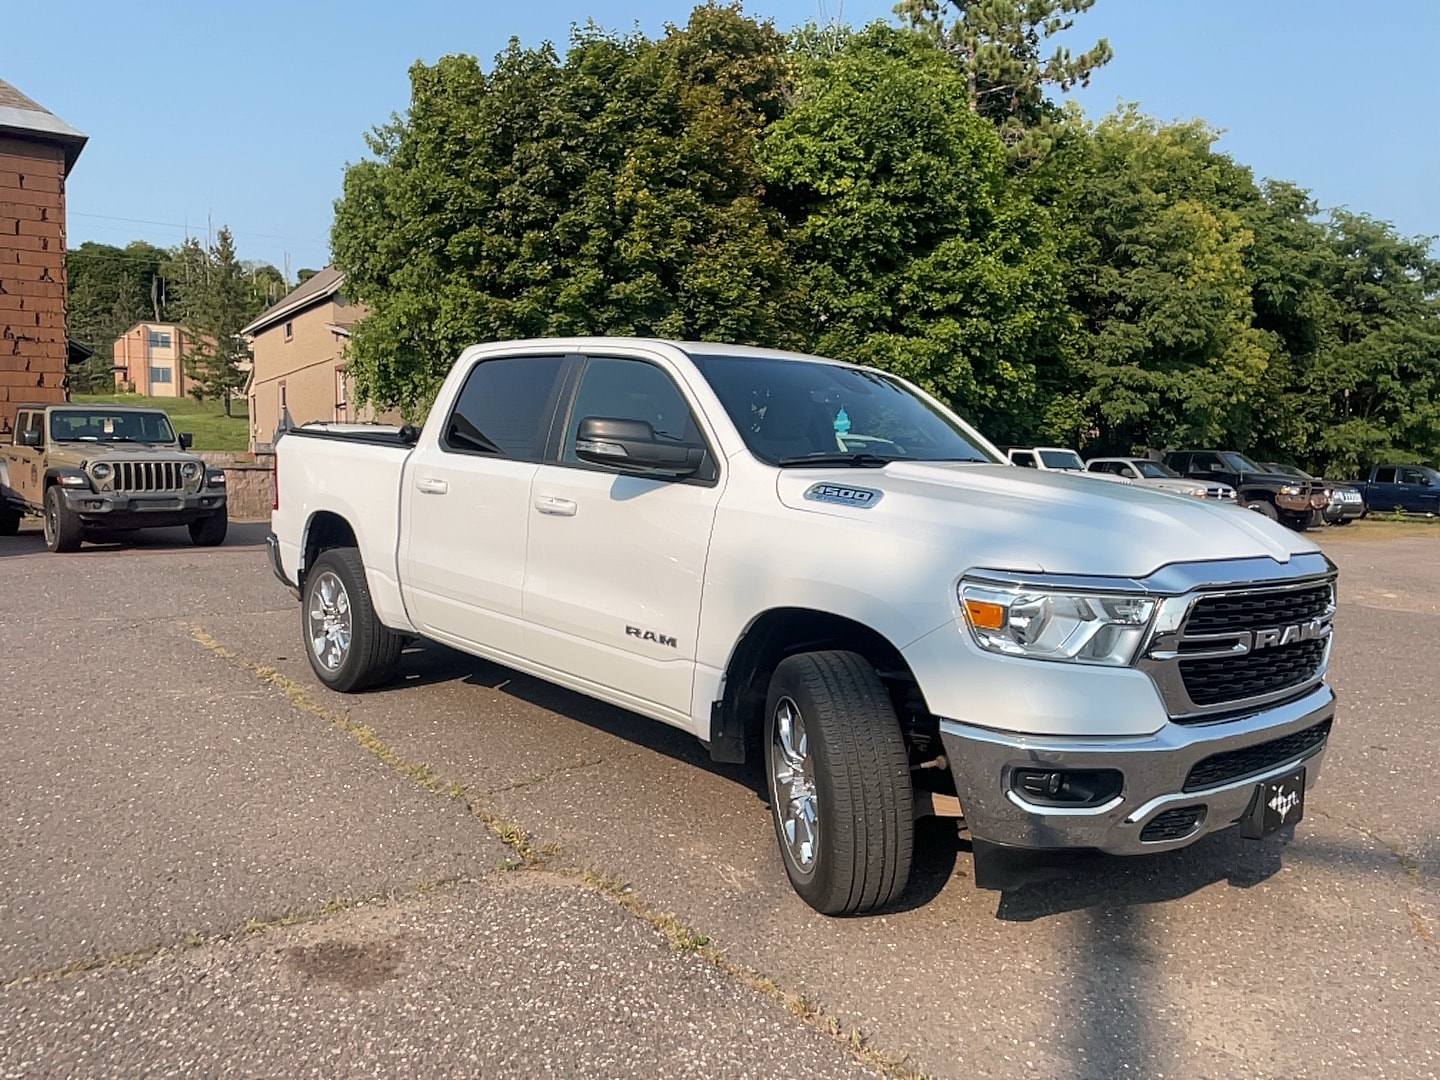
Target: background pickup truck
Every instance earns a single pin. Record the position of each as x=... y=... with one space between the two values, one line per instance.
x=1412 y=488
x=1293 y=501
x=915 y=627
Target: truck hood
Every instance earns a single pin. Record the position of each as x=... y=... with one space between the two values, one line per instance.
x=107 y=451
x=1007 y=518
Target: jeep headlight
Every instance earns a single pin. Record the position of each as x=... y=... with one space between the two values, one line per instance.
x=1046 y=624
x=100 y=471
x=1292 y=489
x=190 y=471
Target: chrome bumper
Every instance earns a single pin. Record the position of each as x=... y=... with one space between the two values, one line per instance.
x=1155 y=769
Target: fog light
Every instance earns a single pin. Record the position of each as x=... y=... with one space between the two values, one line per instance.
x=1067 y=787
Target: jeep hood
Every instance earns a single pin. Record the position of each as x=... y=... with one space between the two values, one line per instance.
x=1007 y=518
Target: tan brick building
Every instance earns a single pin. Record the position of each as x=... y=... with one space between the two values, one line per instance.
x=37 y=151
x=150 y=359
x=298 y=346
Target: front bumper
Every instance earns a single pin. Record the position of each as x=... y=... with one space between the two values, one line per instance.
x=123 y=510
x=1155 y=770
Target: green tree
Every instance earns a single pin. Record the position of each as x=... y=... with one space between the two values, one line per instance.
x=1000 y=46
x=915 y=250
x=109 y=290
x=615 y=191
x=217 y=298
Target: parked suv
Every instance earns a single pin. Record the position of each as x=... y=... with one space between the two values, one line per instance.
x=1291 y=500
x=98 y=469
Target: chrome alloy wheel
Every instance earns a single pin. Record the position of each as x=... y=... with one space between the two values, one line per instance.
x=329 y=621
x=792 y=781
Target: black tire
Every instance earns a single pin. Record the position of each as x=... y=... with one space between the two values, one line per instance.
x=1342 y=521
x=1264 y=509
x=9 y=521
x=63 y=531
x=210 y=531
x=858 y=769
x=372 y=652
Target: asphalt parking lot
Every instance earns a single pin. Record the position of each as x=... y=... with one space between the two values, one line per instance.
x=212 y=865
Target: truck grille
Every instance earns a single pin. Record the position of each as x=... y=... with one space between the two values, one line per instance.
x=1252 y=760
x=1255 y=611
x=148 y=476
x=1231 y=678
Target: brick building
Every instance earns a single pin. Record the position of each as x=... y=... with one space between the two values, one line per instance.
x=37 y=151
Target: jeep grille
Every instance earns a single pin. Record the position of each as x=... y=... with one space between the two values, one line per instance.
x=148 y=476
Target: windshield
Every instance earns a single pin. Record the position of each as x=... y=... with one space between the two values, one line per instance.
x=1239 y=463
x=109 y=425
x=790 y=410
x=1062 y=459
x=1153 y=469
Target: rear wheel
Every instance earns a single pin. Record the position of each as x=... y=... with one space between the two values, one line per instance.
x=348 y=647
x=210 y=531
x=63 y=531
x=839 y=780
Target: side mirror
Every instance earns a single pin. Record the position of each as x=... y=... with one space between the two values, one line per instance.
x=1215 y=466
x=31 y=437
x=630 y=446
x=186 y=440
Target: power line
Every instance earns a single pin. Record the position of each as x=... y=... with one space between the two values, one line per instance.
x=186 y=228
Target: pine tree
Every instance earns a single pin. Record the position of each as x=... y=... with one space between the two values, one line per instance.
x=216 y=301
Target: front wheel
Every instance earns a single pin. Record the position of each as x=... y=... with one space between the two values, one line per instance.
x=1264 y=509
x=210 y=531
x=348 y=646
x=63 y=530
x=839 y=780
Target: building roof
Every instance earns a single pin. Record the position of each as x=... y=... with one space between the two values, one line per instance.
x=316 y=289
x=27 y=119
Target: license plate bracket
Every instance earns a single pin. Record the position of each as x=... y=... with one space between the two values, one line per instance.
x=1275 y=804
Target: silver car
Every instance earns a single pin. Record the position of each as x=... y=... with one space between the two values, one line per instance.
x=1158 y=475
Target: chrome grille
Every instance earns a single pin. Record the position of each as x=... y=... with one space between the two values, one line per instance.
x=1224 y=652
x=148 y=476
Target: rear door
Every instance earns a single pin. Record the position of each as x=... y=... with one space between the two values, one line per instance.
x=466 y=503
x=1385 y=491
x=616 y=563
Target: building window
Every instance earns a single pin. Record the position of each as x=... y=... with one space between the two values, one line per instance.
x=282 y=397
x=289 y=330
x=160 y=375
x=340 y=389
x=159 y=339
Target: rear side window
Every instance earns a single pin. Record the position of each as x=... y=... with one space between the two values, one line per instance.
x=505 y=408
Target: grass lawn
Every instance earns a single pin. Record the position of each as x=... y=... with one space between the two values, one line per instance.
x=206 y=420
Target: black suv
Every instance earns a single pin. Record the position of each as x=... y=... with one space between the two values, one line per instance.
x=1295 y=501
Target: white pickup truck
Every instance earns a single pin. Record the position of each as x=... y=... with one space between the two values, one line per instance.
x=820 y=562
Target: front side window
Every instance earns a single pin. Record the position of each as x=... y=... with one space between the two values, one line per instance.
x=1240 y=463
x=788 y=411
x=619 y=389
x=103 y=425
x=1414 y=476
x=1024 y=459
x=505 y=408
x=1152 y=469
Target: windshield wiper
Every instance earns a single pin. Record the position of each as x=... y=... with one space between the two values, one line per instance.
x=852 y=461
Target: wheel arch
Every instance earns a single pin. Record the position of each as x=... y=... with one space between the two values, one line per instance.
x=738 y=717
x=325 y=529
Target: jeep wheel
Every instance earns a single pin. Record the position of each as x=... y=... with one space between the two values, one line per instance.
x=9 y=521
x=349 y=648
x=839 y=781
x=210 y=531
x=63 y=530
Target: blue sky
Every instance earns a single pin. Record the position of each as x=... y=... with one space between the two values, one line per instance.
x=247 y=113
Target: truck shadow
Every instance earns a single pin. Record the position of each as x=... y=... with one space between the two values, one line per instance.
x=30 y=540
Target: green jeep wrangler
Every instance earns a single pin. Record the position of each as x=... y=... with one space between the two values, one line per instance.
x=93 y=470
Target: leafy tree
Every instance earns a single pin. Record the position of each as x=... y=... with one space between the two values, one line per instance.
x=109 y=290
x=915 y=251
x=615 y=191
x=999 y=46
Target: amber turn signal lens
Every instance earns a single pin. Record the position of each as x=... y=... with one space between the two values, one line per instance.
x=984 y=615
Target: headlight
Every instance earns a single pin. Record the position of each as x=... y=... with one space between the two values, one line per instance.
x=100 y=471
x=1195 y=492
x=1292 y=489
x=1086 y=628
x=190 y=470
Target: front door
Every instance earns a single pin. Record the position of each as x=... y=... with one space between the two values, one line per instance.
x=616 y=563
x=466 y=504
x=22 y=463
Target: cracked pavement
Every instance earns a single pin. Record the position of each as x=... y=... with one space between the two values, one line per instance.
x=159 y=795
